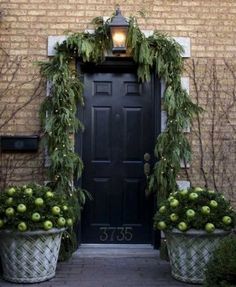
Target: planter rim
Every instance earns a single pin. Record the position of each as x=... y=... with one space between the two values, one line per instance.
x=192 y=231
x=31 y=233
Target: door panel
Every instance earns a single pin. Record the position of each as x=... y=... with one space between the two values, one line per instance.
x=101 y=133
x=132 y=202
x=102 y=187
x=118 y=119
x=133 y=128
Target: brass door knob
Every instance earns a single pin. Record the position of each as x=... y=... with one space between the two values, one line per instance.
x=146 y=168
x=146 y=156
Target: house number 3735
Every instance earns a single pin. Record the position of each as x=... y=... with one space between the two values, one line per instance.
x=116 y=234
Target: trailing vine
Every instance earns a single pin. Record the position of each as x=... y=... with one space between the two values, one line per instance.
x=58 y=111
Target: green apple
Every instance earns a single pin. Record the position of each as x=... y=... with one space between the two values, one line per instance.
x=227 y=220
x=10 y=201
x=205 y=210
x=22 y=226
x=1 y=223
x=190 y=213
x=162 y=209
x=47 y=225
x=209 y=227
x=183 y=192
x=39 y=201
x=65 y=207
x=61 y=221
x=182 y=226
x=213 y=203
x=28 y=191
x=198 y=189
x=211 y=191
x=193 y=196
x=174 y=203
x=69 y=222
x=10 y=211
x=170 y=198
x=21 y=208
x=11 y=191
x=174 y=217
x=35 y=217
x=56 y=210
x=49 y=194
x=161 y=225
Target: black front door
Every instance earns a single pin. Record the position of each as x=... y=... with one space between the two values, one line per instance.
x=119 y=130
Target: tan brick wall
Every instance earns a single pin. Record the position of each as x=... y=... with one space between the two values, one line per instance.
x=26 y=24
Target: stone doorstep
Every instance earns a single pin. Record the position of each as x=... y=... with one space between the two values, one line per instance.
x=117 y=250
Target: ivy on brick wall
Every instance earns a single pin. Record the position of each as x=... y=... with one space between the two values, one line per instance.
x=58 y=112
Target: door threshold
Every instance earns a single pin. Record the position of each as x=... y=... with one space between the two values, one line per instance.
x=117 y=251
x=116 y=246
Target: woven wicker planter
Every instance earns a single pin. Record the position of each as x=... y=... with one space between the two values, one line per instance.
x=29 y=257
x=190 y=251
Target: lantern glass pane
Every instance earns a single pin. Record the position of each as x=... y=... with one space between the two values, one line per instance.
x=119 y=35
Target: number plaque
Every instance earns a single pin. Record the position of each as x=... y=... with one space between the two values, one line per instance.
x=116 y=234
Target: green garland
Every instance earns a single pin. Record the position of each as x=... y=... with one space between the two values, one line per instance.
x=58 y=111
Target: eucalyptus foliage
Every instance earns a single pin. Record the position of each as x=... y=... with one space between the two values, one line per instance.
x=158 y=53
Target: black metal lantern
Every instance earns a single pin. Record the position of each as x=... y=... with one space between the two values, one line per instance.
x=119 y=30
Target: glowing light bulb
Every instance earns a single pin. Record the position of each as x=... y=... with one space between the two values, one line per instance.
x=119 y=39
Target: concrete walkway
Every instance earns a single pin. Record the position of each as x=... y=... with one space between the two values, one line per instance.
x=111 y=266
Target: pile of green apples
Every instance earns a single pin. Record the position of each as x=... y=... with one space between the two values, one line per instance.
x=33 y=207
x=195 y=208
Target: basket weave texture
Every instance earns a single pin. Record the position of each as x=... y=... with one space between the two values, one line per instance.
x=29 y=257
x=189 y=253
